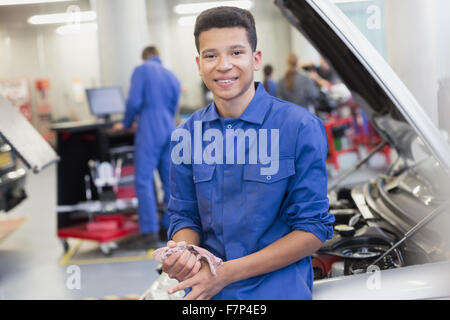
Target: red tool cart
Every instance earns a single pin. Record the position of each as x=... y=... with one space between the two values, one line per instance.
x=96 y=198
x=337 y=130
x=348 y=134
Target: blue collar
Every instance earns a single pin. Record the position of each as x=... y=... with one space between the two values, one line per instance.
x=154 y=59
x=255 y=112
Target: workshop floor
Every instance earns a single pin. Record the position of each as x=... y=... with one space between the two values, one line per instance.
x=31 y=257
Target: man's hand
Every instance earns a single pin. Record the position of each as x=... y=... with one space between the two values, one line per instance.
x=204 y=285
x=181 y=265
x=118 y=127
x=319 y=80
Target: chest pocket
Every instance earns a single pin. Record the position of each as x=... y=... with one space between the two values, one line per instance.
x=253 y=172
x=203 y=179
x=265 y=193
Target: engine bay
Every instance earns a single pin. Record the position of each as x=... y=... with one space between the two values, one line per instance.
x=360 y=238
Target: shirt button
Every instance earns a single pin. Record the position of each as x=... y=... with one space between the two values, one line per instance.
x=269 y=178
x=193 y=178
x=229 y=126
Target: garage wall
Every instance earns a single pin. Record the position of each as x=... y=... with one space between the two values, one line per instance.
x=67 y=58
x=412 y=48
x=443 y=63
x=413 y=36
x=443 y=38
x=38 y=52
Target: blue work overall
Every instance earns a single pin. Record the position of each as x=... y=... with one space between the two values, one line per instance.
x=240 y=208
x=153 y=98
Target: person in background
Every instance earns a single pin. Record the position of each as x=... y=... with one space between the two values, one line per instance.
x=153 y=99
x=269 y=84
x=324 y=75
x=296 y=86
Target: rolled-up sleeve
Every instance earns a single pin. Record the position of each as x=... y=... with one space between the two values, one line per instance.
x=306 y=206
x=183 y=206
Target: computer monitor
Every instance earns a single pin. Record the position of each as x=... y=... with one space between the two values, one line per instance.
x=106 y=101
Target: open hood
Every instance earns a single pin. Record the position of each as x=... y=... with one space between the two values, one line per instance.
x=376 y=88
x=24 y=139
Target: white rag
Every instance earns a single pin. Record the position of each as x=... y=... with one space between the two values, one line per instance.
x=201 y=254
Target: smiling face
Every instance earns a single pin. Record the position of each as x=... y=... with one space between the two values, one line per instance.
x=227 y=64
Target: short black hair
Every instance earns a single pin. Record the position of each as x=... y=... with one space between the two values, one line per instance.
x=268 y=70
x=226 y=17
x=149 y=52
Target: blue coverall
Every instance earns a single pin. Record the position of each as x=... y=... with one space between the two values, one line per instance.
x=153 y=97
x=238 y=211
x=272 y=87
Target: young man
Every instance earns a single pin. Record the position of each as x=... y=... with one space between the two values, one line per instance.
x=263 y=214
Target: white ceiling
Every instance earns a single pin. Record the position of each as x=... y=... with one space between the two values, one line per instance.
x=15 y=17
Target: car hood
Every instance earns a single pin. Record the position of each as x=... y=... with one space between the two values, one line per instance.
x=24 y=139
x=394 y=112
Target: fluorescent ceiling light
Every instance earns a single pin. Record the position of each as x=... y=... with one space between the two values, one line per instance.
x=195 y=8
x=350 y=1
x=67 y=17
x=16 y=2
x=77 y=28
x=188 y=21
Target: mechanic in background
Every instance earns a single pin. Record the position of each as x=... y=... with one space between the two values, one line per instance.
x=153 y=99
x=324 y=75
x=269 y=84
x=297 y=87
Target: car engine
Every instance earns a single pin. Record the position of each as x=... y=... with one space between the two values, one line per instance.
x=357 y=242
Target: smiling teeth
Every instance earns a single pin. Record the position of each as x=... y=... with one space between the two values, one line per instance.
x=227 y=81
